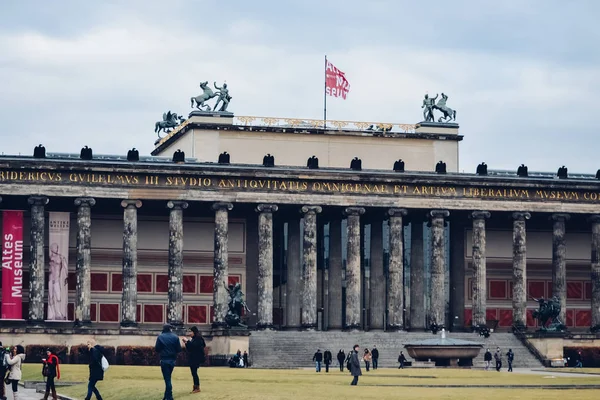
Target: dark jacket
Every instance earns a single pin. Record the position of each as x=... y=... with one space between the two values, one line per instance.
x=341 y=356
x=168 y=345
x=195 y=349
x=355 y=364
x=510 y=356
x=401 y=358
x=498 y=356
x=318 y=357
x=96 y=371
x=487 y=356
x=375 y=353
x=327 y=357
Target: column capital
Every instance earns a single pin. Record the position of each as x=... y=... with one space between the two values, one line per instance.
x=85 y=201
x=480 y=215
x=521 y=216
x=439 y=214
x=397 y=212
x=594 y=219
x=560 y=217
x=311 y=209
x=267 y=208
x=177 y=204
x=354 y=211
x=38 y=200
x=222 y=205
x=131 y=203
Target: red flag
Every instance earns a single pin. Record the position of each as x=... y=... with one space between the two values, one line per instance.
x=336 y=84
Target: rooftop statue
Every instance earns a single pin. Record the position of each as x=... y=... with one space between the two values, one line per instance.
x=429 y=105
x=207 y=93
x=237 y=305
x=170 y=121
x=548 y=311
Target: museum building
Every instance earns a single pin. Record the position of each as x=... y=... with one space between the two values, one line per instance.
x=326 y=226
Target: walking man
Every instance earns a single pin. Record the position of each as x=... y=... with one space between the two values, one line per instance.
x=96 y=370
x=195 y=348
x=245 y=358
x=488 y=359
x=327 y=359
x=168 y=346
x=510 y=356
x=375 y=357
x=318 y=358
x=341 y=356
x=401 y=360
x=498 y=358
x=355 y=365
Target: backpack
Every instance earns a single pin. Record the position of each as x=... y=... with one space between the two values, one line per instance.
x=104 y=363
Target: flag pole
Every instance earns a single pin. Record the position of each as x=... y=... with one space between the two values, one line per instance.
x=325 y=96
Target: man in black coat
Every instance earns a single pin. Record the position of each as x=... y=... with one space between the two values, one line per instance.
x=327 y=357
x=195 y=348
x=167 y=345
x=355 y=365
x=487 y=358
x=318 y=358
x=96 y=370
x=375 y=357
x=341 y=356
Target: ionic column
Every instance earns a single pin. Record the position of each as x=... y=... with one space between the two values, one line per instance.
x=417 y=276
x=83 y=263
x=595 y=263
x=395 y=288
x=377 y=281
x=221 y=263
x=479 y=268
x=335 y=274
x=309 y=267
x=438 y=264
x=353 y=279
x=129 y=298
x=265 y=265
x=293 y=286
x=519 y=299
x=559 y=263
x=175 y=305
x=36 y=260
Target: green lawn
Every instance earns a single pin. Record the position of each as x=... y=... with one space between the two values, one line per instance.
x=123 y=382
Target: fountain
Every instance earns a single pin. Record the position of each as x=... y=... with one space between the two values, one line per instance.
x=445 y=352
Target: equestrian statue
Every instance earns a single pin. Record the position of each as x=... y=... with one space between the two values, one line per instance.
x=429 y=105
x=237 y=305
x=207 y=93
x=170 y=121
x=547 y=315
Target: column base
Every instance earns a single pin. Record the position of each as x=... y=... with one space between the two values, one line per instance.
x=265 y=327
x=595 y=329
x=35 y=323
x=519 y=327
x=309 y=327
x=128 y=324
x=219 y=325
x=394 y=328
x=82 y=324
x=176 y=324
x=291 y=328
x=353 y=327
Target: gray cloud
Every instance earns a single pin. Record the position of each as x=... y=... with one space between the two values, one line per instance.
x=522 y=75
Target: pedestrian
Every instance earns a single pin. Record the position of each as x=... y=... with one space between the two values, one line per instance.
x=318 y=358
x=367 y=359
x=50 y=370
x=355 y=365
x=195 y=349
x=327 y=357
x=510 y=356
x=401 y=360
x=375 y=357
x=168 y=346
x=341 y=356
x=488 y=359
x=498 y=358
x=96 y=369
x=245 y=357
x=579 y=360
x=3 y=370
x=14 y=361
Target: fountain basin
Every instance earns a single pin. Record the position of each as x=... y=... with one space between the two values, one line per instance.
x=444 y=351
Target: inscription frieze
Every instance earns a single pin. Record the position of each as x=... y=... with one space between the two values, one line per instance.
x=217 y=183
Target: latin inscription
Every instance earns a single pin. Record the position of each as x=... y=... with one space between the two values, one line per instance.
x=294 y=186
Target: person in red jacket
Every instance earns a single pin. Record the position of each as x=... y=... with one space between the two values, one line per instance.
x=51 y=370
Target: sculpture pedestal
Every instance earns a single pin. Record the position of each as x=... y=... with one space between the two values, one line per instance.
x=211 y=117
x=229 y=340
x=437 y=127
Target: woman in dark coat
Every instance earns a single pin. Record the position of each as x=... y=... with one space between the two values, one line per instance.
x=195 y=348
x=96 y=371
x=341 y=356
x=355 y=365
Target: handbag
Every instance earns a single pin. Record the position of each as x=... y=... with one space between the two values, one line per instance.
x=7 y=381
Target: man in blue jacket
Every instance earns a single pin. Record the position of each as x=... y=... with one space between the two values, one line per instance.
x=168 y=346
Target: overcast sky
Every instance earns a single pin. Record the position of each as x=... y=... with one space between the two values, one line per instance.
x=524 y=76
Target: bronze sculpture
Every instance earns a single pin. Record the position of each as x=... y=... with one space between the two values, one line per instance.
x=237 y=305
x=547 y=315
x=429 y=105
x=170 y=121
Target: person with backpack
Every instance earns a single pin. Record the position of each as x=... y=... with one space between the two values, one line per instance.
x=97 y=367
x=14 y=362
x=195 y=349
x=168 y=346
x=510 y=356
x=50 y=370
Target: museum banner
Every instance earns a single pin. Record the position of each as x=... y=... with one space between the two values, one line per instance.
x=12 y=264
x=58 y=291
